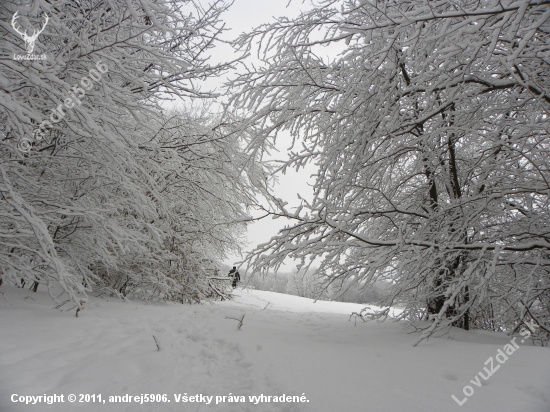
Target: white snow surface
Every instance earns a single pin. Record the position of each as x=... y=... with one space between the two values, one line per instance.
x=292 y=347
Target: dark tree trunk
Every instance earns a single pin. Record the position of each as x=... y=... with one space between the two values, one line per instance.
x=466 y=324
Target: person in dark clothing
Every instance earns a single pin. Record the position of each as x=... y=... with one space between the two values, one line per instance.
x=235 y=275
x=236 y=279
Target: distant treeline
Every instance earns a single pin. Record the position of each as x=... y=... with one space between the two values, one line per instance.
x=308 y=285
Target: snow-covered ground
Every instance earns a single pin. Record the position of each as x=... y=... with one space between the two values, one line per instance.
x=292 y=347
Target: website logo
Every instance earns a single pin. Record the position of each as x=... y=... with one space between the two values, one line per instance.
x=29 y=39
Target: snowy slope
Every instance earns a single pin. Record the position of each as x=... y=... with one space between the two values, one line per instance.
x=292 y=347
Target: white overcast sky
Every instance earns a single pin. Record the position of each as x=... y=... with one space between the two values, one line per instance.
x=242 y=16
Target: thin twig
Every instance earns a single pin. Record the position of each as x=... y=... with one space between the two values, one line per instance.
x=158 y=347
x=239 y=320
x=63 y=303
x=532 y=317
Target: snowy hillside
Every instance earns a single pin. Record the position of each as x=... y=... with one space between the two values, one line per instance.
x=292 y=347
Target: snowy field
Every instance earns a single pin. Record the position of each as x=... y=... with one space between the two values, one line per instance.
x=292 y=347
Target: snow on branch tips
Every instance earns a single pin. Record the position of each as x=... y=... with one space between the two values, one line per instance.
x=119 y=196
x=429 y=129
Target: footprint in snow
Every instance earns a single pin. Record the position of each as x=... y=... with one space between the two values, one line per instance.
x=530 y=390
x=451 y=376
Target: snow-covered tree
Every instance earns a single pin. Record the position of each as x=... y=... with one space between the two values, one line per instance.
x=98 y=187
x=305 y=283
x=430 y=133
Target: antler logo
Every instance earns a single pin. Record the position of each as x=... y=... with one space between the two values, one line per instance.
x=29 y=39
